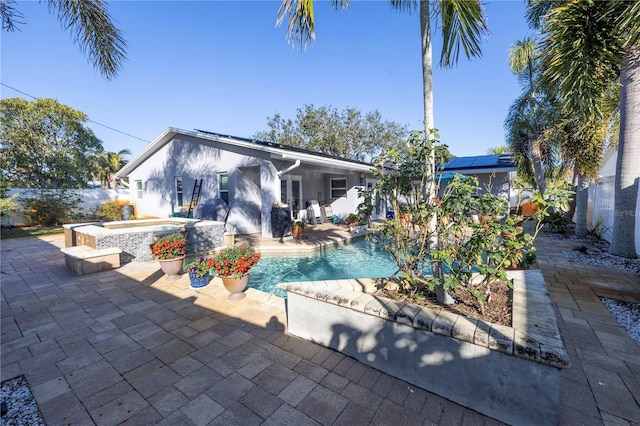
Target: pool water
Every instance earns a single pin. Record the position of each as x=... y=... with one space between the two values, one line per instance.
x=358 y=259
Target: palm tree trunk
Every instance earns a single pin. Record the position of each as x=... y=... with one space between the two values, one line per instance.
x=627 y=171
x=427 y=85
x=536 y=159
x=582 y=200
x=427 y=64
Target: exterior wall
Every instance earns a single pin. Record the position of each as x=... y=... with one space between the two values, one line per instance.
x=89 y=200
x=193 y=159
x=498 y=183
x=254 y=182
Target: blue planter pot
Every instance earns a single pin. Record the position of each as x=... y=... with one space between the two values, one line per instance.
x=199 y=282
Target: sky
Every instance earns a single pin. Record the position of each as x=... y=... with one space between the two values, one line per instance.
x=224 y=67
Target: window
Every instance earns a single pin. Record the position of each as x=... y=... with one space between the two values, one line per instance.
x=223 y=187
x=139 y=189
x=179 y=190
x=338 y=187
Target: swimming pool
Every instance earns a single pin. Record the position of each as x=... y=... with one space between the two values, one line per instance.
x=358 y=259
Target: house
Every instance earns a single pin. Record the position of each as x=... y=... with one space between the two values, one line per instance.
x=494 y=172
x=250 y=176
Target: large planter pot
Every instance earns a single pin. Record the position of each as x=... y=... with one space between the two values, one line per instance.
x=509 y=373
x=199 y=282
x=236 y=286
x=172 y=267
x=297 y=231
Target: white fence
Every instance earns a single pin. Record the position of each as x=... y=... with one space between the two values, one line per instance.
x=601 y=209
x=88 y=200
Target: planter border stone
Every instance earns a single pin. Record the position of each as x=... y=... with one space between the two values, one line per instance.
x=509 y=373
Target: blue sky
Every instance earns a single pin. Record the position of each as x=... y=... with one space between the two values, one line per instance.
x=222 y=66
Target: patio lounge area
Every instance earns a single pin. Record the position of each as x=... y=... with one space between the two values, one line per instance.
x=126 y=345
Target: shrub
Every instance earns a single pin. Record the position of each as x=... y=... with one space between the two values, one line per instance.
x=50 y=208
x=109 y=210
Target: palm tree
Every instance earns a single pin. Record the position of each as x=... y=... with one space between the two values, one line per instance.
x=528 y=115
x=109 y=164
x=91 y=26
x=588 y=45
x=498 y=150
x=462 y=25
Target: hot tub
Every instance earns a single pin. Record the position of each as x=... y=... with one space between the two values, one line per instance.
x=134 y=237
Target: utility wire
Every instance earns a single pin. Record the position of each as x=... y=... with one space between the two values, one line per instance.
x=89 y=120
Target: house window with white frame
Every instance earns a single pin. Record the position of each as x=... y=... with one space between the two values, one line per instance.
x=179 y=190
x=139 y=189
x=338 y=187
x=223 y=187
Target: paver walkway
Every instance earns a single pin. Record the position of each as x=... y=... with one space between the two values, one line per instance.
x=127 y=346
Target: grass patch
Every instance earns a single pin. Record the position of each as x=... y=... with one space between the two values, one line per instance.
x=30 y=231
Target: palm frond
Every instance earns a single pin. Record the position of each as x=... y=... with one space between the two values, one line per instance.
x=464 y=26
x=582 y=54
x=404 y=5
x=628 y=20
x=300 y=16
x=9 y=15
x=94 y=31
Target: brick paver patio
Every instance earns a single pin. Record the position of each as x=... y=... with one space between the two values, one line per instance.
x=126 y=346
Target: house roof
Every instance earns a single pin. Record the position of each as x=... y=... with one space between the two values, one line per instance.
x=276 y=150
x=481 y=164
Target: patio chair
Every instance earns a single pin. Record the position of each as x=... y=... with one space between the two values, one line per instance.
x=314 y=214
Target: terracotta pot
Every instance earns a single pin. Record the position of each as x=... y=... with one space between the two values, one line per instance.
x=172 y=267
x=236 y=286
x=297 y=231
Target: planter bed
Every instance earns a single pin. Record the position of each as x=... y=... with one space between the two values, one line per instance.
x=509 y=373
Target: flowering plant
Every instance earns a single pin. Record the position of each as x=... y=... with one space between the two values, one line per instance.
x=235 y=261
x=169 y=246
x=200 y=268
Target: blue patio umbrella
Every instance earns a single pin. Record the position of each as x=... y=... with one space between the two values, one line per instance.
x=448 y=177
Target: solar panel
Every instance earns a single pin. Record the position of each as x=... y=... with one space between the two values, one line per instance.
x=486 y=161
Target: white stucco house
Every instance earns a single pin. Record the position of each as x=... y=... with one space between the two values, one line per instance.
x=250 y=176
x=494 y=172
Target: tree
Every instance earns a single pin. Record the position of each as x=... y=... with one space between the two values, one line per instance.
x=44 y=144
x=498 y=150
x=108 y=164
x=91 y=26
x=529 y=115
x=588 y=45
x=347 y=134
x=462 y=26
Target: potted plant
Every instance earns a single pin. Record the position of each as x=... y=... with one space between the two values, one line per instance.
x=512 y=227
x=353 y=219
x=169 y=250
x=198 y=271
x=232 y=265
x=297 y=228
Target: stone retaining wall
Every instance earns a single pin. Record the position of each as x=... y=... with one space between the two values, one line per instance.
x=509 y=373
